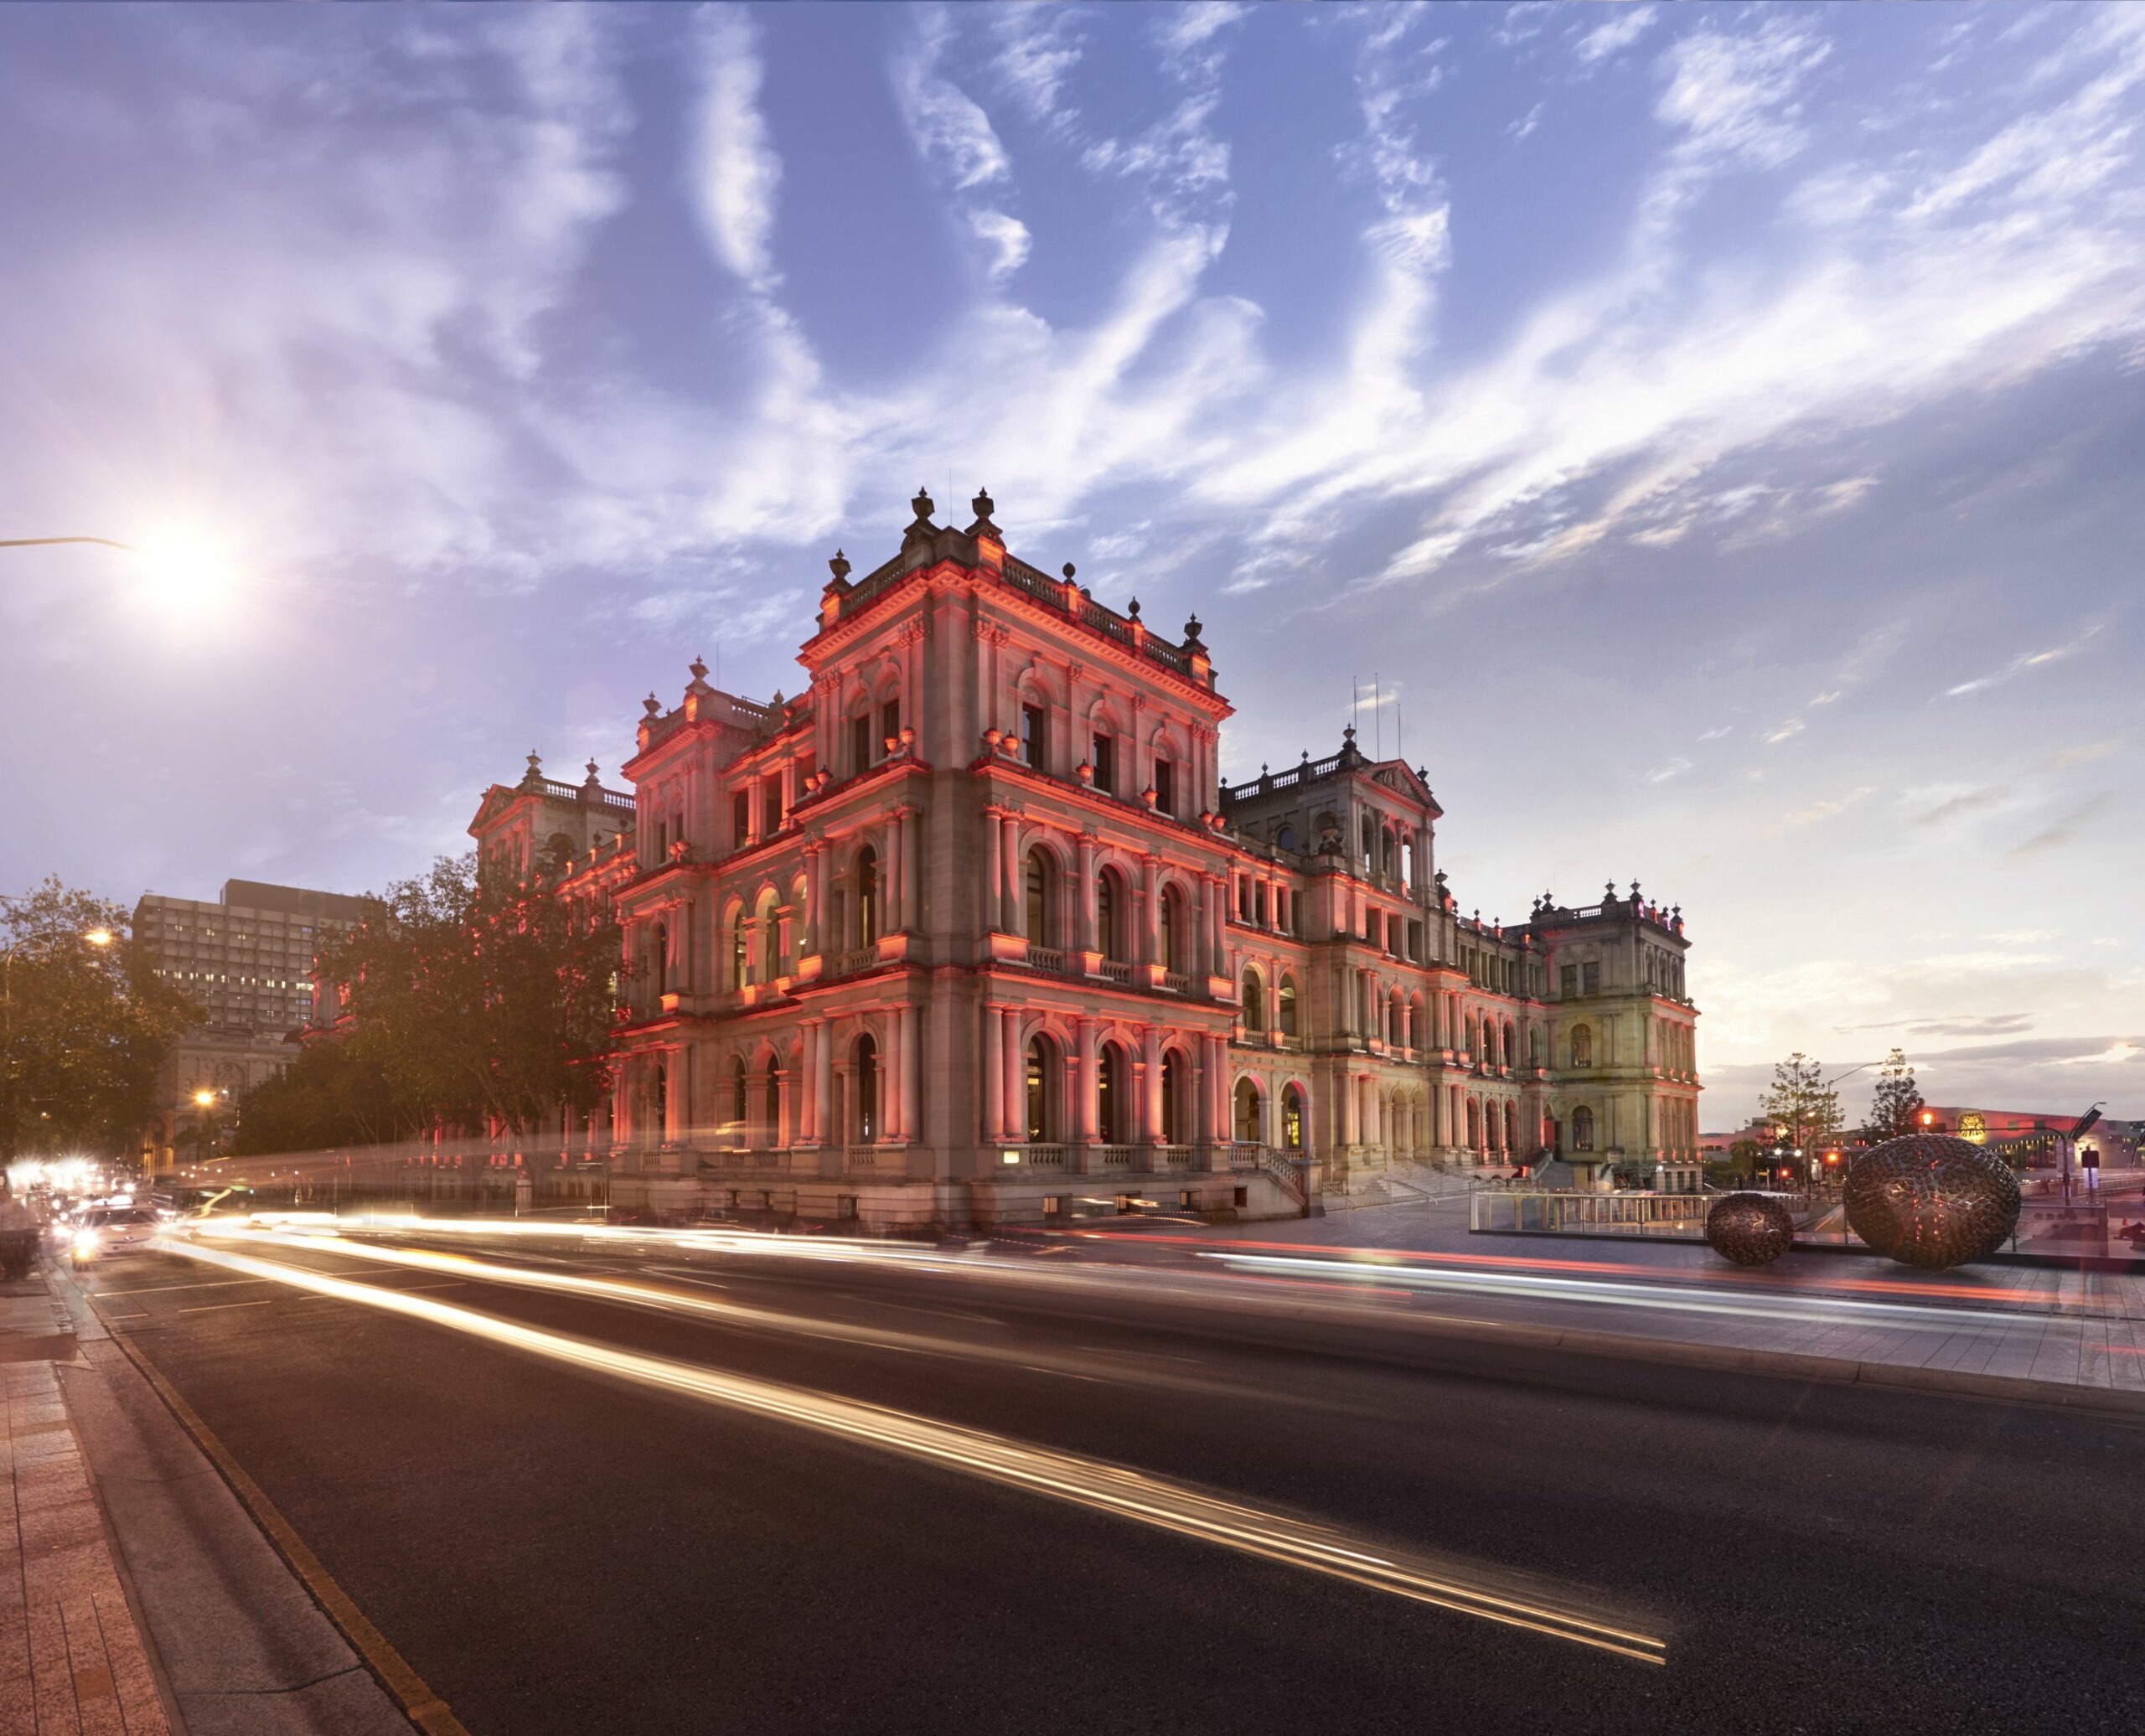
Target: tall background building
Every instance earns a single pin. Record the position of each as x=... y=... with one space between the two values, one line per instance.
x=248 y=960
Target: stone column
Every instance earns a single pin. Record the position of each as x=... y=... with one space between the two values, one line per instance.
x=994 y=1074
x=823 y=1088
x=1085 y=892
x=890 y=893
x=993 y=885
x=1150 y=924
x=1217 y=1073
x=1016 y=1071
x=1150 y=1130
x=1017 y=903
x=912 y=868
x=892 y=1109
x=911 y=1074
x=1085 y=1120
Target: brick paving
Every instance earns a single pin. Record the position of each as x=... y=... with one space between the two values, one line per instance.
x=71 y=1659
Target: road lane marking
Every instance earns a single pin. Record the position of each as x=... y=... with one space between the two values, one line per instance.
x=152 y=1289
x=1465 y=1588
x=217 y=1307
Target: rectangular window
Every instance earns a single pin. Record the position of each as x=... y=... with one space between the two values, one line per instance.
x=1415 y=942
x=1034 y=736
x=1568 y=981
x=890 y=723
x=741 y=818
x=860 y=744
x=770 y=806
x=1591 y=979
x=1244 y=900
x=1295 y=912
x=1165 y=786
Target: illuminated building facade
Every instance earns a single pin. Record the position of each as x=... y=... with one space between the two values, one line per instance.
x=969 y=932
x=248 y=960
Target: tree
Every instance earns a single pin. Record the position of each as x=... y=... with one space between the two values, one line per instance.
x=1743 y=1157
x=1895 y=1106
x=330 y=1094
x=85 y=1024
x=476 y=1004
x=1800 y=1104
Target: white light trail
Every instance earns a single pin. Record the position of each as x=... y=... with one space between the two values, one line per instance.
x=1463 y=1588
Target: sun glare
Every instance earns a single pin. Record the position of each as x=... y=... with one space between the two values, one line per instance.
x=186 y=571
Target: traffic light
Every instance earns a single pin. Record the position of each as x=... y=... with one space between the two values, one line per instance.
x=1928 y=1118
x=1832 y=1157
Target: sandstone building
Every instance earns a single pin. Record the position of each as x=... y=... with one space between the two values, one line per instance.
x=971 y=932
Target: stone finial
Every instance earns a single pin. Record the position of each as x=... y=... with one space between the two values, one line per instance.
x=699 y=666
x=1348 y=734
x=652 y=706
x=921 y=504
x=534 y=776
x=839 y=566
x=984 y=504
x=1191 y=632
x=592 y=778
x=1608 y=891
x=1132 y=608
x=1634 y=891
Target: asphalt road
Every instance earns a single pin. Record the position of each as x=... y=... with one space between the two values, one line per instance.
x=555 y=1548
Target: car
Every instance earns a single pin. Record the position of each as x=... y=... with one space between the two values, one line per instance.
x=106 y=1229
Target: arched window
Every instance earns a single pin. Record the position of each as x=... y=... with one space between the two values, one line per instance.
x=1255 y=1002
x=1489 y=1042
x=1474 y=1126
x=1534 y=1046
x=771 y=1102
x=1582 y=1129
x=658 y=946
x=1292 y=1118
x=1474 y=1037
x=867 y=1089
x=1512 y=1127
x=737 y=1110
x=1042 y=1081
x=738 y=954
x=1173 y=931
x=1391 y=859
x=1511 y=1047
x=1369 y=842
x=1173 y=1098
x=1111 y=1100
x=1247 y=1115
x=659 y=1099
x=1111 y=912
x=1286 y=838
x=1287 y=1011
x=1041 y=907
x=867 y=897
x=1583 y=1047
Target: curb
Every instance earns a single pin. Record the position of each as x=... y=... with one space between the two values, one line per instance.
x=2119 y=1265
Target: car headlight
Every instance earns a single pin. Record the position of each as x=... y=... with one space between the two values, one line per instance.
x=85 y=1241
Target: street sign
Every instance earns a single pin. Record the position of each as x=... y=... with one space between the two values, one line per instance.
x=2090 y=1157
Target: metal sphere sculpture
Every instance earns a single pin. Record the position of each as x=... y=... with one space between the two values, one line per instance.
x=1931 y=1200
x=1749 y=1228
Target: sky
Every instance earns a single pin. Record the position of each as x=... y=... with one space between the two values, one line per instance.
x=1717 y=430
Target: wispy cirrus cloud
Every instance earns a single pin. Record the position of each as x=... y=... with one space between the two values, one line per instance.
x=2024 y=661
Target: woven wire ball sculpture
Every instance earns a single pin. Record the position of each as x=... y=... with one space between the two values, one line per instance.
x=1931 y=1200
x=1749 y=1229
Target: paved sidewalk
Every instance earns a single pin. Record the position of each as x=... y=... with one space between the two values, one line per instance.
x=71 y=1658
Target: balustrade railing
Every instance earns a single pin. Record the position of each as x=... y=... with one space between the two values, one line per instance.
x=1116 y=1157
x=1042 y=1157
x=1049 y=959
x=1115 y=972
x=1176 y=982
x=1175 y=1157
x=855 y=959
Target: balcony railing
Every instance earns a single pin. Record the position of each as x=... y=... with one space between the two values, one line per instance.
x=1175 y=1157
x=855 y=959
x=1049 y=959
x=1116 y=1157
x=1042 y=1157
x=1115 y=972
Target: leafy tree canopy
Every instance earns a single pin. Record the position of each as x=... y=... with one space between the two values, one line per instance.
x=85 y=1024
x=467 y=1004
